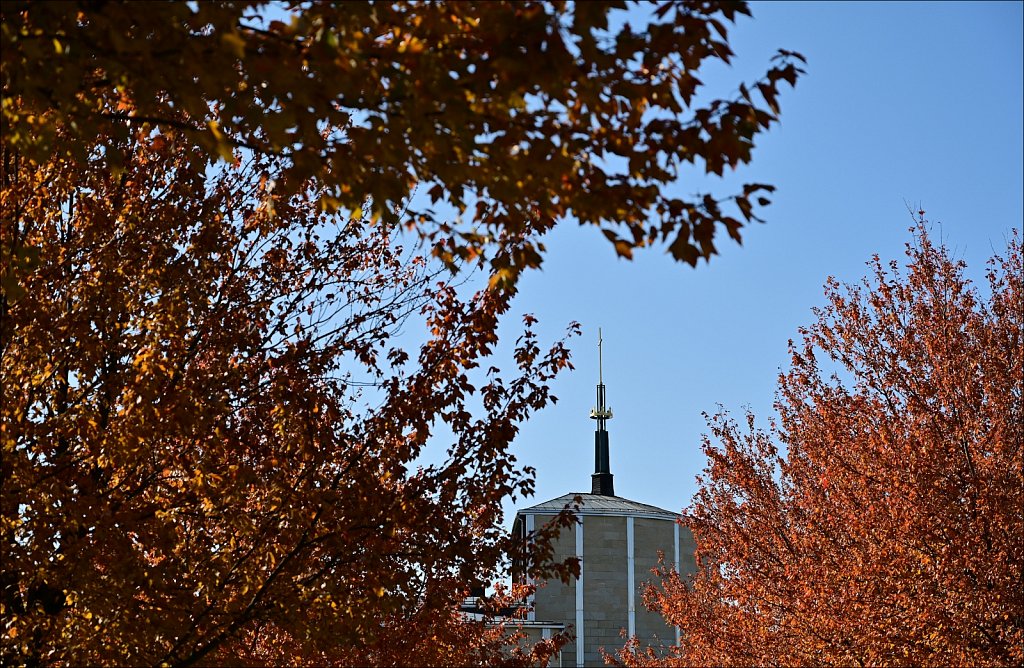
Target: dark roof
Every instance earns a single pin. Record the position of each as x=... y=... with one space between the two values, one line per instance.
x=597 y=504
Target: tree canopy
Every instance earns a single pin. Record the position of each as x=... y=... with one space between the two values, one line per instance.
x=209 y=432
x=212 y=429
x=521 y=113
x=879 y=521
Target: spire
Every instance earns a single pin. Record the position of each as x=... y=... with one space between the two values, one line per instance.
x=601 y=480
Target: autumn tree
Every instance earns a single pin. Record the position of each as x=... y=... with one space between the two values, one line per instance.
x=517 y=115
x=879 y=520
x=210 y=434
x=212 y=431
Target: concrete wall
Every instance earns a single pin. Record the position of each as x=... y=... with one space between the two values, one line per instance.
x=650 y=536
x=606 y=578
x=555 y=601
x=605 y=588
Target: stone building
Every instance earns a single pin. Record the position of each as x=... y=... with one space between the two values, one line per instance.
x=617 y=541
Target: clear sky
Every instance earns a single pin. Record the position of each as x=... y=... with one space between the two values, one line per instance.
x=915 y=104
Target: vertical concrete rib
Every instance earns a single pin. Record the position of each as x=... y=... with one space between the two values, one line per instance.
x=531 y=615
x=630 y=570
x=675 y=536
x=579 y=594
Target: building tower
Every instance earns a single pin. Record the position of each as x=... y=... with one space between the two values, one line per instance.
x=617 y=541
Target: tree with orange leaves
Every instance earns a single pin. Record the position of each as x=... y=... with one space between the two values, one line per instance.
x=880 y=519
x=210 y=431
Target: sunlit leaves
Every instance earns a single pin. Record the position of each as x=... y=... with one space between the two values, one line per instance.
x=549 y=110
x=879 y=521
x=210 y=432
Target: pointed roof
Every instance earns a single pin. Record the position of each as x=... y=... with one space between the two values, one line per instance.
x=599 y=504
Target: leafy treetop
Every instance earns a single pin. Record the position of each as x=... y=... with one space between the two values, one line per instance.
x=879 y=521
x=522 y=113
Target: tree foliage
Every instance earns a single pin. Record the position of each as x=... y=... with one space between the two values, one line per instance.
x=879 y=521
x=522 y=113
x=211 y=242
x=208 y=430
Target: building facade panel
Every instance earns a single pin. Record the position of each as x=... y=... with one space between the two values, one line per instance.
x=555 y=601
x=652 y=536
x=605 y=589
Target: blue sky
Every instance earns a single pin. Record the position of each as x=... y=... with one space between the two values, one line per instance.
x=915 y=104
